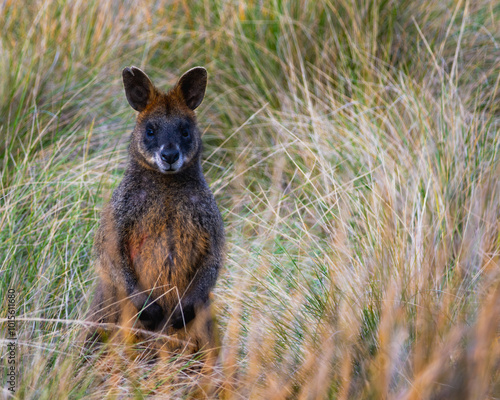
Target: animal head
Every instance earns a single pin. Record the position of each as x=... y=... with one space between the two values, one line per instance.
x=166 y=137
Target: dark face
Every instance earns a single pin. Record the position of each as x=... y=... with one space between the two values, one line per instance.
x=166 y=137
x=168 y=143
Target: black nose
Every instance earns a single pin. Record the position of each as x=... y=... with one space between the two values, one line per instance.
x=170 y=156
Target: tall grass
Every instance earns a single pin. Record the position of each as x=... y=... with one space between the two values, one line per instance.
x=353 y=148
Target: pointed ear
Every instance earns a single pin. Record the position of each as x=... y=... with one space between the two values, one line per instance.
x=192 y=86
x=138 y=88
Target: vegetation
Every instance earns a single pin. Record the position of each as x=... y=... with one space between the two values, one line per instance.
x=353 y=148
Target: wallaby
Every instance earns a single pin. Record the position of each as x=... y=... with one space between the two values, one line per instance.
x=160 y=243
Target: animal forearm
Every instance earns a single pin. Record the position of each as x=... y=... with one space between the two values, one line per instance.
x=196 y=295
x=123 y=277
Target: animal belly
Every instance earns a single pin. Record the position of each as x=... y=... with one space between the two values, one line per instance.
x=160 y=266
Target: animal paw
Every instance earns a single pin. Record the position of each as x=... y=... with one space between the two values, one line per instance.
x=180 y=318
x=151 y=315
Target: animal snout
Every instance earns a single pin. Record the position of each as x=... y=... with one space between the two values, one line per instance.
x=169 y=155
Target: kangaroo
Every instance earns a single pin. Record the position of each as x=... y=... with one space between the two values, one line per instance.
x=160 y=243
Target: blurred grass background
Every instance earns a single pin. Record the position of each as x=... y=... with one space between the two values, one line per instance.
x=353 y=148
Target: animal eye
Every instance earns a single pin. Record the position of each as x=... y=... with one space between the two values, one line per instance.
x=150 y=132
x=184 y=132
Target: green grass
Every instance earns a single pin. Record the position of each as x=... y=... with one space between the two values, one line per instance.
x=353 y=148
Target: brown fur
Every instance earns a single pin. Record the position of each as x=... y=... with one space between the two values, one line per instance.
x=160 y=243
